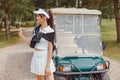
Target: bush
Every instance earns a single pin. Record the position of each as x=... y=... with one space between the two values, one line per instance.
x=25 y=24
x=28 y=24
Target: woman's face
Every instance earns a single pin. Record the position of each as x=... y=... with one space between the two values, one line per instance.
x=39 y=18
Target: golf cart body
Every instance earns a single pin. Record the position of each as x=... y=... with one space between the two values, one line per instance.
x=79 y=45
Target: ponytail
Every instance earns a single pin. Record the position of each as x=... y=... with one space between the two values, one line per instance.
x=50 y=21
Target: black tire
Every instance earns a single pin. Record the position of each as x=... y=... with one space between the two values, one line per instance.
x=95 y=77
x=87 y=77
x=104 y=76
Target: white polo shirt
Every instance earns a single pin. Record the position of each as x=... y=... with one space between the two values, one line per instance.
x=43 y=44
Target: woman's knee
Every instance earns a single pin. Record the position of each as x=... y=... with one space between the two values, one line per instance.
x=50 y=77
x=40 y=77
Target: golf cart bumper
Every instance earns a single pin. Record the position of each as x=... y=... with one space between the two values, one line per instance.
x=79 y=73
x=92 y=71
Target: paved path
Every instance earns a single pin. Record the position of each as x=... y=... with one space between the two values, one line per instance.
x=15 y=63
x=114 y=72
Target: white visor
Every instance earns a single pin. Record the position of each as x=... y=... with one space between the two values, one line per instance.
x=41 y=11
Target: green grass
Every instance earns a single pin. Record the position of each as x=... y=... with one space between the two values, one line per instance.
x=13 y=39
x=108 y=31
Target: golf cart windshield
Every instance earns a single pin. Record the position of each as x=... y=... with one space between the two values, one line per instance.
x=77 y=34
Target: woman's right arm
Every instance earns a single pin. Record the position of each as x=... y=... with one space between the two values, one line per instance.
x=21 y=35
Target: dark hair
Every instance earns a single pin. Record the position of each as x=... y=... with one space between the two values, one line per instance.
x=50 y=21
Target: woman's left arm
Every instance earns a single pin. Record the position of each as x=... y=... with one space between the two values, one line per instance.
x=50 y=51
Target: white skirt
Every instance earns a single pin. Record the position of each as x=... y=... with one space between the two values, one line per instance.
x=39 y=61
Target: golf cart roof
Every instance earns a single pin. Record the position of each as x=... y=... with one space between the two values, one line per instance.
x=77 y=32
x=75 y=11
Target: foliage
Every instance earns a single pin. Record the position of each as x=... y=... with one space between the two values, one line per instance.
x=2 y=13
x=28 y=24
x=91 y=4
x=106 y=6
x=66 y=3
x=52 y=3
x=18 y=9
x=23 y=10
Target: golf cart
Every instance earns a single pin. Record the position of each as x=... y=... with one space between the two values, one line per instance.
x=79 y=45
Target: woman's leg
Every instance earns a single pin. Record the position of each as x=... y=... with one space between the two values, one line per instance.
x=40 y=77
x=51 y=77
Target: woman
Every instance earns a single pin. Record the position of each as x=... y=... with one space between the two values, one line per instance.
x=43 y=44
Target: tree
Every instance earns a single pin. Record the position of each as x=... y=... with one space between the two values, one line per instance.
x=91 y=4
x=22 y=10
x=2 y=14
x=41 y=4
x=7 y=6
x=117 y=18
x=16 y=9
x=106 y=6
x=56 y=3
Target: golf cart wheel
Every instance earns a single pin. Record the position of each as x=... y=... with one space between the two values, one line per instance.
x=86 y=77
x=89 y=77
x=103 y=76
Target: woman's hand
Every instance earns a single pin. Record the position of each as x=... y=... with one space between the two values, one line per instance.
x=21 y=35
x=47 y=71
